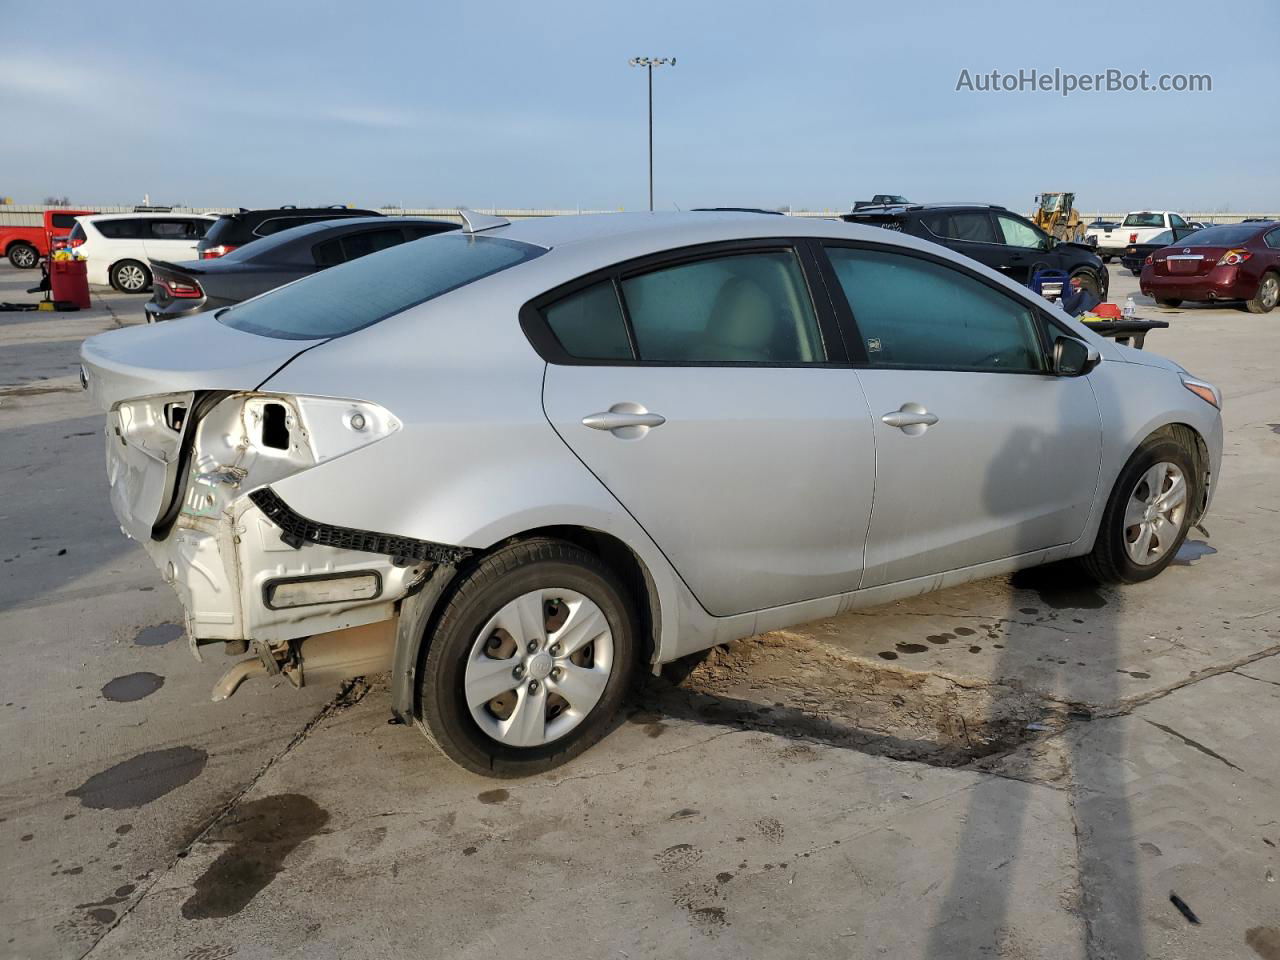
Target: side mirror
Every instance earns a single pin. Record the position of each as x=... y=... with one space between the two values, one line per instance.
x=1073 y=358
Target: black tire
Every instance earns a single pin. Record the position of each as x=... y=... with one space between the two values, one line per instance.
x=125 y=276
x=1169 y=301
x=24 y=256
x=1109 y=561
x=1268 y=294
x=1136 y=273
x=1106 y=258
x=500 y=578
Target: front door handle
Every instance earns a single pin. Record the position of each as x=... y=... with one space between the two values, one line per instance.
x=629 y=421
x=912 y=419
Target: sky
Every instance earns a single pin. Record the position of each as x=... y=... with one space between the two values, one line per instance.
x=533 y=105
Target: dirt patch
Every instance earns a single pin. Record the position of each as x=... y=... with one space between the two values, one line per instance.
x=791 y=685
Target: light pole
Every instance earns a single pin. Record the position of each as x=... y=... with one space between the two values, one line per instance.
x=650 y=63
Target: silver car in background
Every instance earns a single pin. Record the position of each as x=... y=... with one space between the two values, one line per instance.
x=520 y=463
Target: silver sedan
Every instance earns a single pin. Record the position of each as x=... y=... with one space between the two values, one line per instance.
x=520 y=463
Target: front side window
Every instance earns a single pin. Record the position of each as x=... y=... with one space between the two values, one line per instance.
x=1176 y=221
x=915 y=313
x=974 y=226
x=1019 y=234
x=743 y=308
x=355 y=295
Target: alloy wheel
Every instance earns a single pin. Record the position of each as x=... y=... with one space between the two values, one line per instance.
x=1270 y=292
x=131 y=277
x=538 y=667
x=23 y=257
x=1154 y=513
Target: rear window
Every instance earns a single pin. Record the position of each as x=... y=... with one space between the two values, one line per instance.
x=62 y=219
x=354 y=295
x=1144 y=220
x=222 y=230
x=1226 y=235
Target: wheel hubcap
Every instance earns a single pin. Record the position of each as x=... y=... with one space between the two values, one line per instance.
x=538 y=667
x=131 y=278
x=25 y=256
x=1270 y=292
x=1154 y=513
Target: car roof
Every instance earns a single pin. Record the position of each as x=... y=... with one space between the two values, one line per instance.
x=146 y=216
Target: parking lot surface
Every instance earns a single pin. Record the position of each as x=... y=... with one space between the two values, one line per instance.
x=1025 y=767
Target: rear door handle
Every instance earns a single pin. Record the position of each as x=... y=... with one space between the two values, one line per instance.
x=626 y=420
x=911 y=419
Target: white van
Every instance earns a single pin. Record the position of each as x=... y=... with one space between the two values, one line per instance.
x=120 y=246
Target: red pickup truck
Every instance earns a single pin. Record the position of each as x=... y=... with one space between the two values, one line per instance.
x=24 y=246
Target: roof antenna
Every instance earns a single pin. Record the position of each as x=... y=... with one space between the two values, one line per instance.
x=473 y=222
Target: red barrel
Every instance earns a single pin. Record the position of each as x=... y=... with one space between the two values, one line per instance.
x=70 y=282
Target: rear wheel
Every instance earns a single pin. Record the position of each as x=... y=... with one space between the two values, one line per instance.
x=530 y=661
x=1268 y=294
x=1147 y=515
x=1169 y=301
x=23 y=256
x=1106 y=258
x=130 y=276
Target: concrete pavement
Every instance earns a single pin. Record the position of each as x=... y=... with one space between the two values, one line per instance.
x=1033 y=773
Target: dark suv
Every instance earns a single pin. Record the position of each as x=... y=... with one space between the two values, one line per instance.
x=998 y=237
x=234 y=230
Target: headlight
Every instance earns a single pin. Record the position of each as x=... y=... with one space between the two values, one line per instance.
x=1203 y=389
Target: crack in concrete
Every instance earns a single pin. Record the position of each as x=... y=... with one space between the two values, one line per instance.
x=647 y=759
x=351 y=693
x=1249 y=676
x=1194 y=744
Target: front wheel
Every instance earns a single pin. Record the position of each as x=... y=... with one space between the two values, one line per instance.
x=530 y=662
x=1147 y=515
x=1264 y=300
x=130 y=276
x=1169 y=301
x=23 y=256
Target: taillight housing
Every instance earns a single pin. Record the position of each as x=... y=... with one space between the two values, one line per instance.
x=1149 y=261
x=1233 y=258
x=76 y=241
x=221 y=250
x=179 y=289
x=1133 y=238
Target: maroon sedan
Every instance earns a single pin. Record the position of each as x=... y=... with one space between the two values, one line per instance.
x=1233 y=261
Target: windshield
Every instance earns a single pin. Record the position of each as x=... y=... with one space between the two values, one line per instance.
x=357 y=294
x=1224 y=236
x=1144 y=220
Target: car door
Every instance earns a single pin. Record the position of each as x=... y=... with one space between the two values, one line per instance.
x=172 y=238
x=711 y=396
x=981 y=453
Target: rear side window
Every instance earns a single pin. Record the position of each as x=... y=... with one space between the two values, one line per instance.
x=589 y=324
x=176 y=229
x=76 y=236
x=371 y=241
x=972 y=226
x=915 y=313
x=131 y=229
x=355 y=295
x=1273 y=239
x=267 y=227
x=745 y=308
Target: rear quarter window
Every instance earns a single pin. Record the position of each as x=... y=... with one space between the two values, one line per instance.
x=354 y=295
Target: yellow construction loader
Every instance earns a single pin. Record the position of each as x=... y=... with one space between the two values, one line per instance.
x=1056 y=216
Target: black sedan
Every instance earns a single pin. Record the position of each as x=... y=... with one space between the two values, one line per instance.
x=1135 y=254
x=181 y=289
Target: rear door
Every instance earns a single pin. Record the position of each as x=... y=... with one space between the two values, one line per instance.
x=710 y=394
x=173 y=238
x=981 y=453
